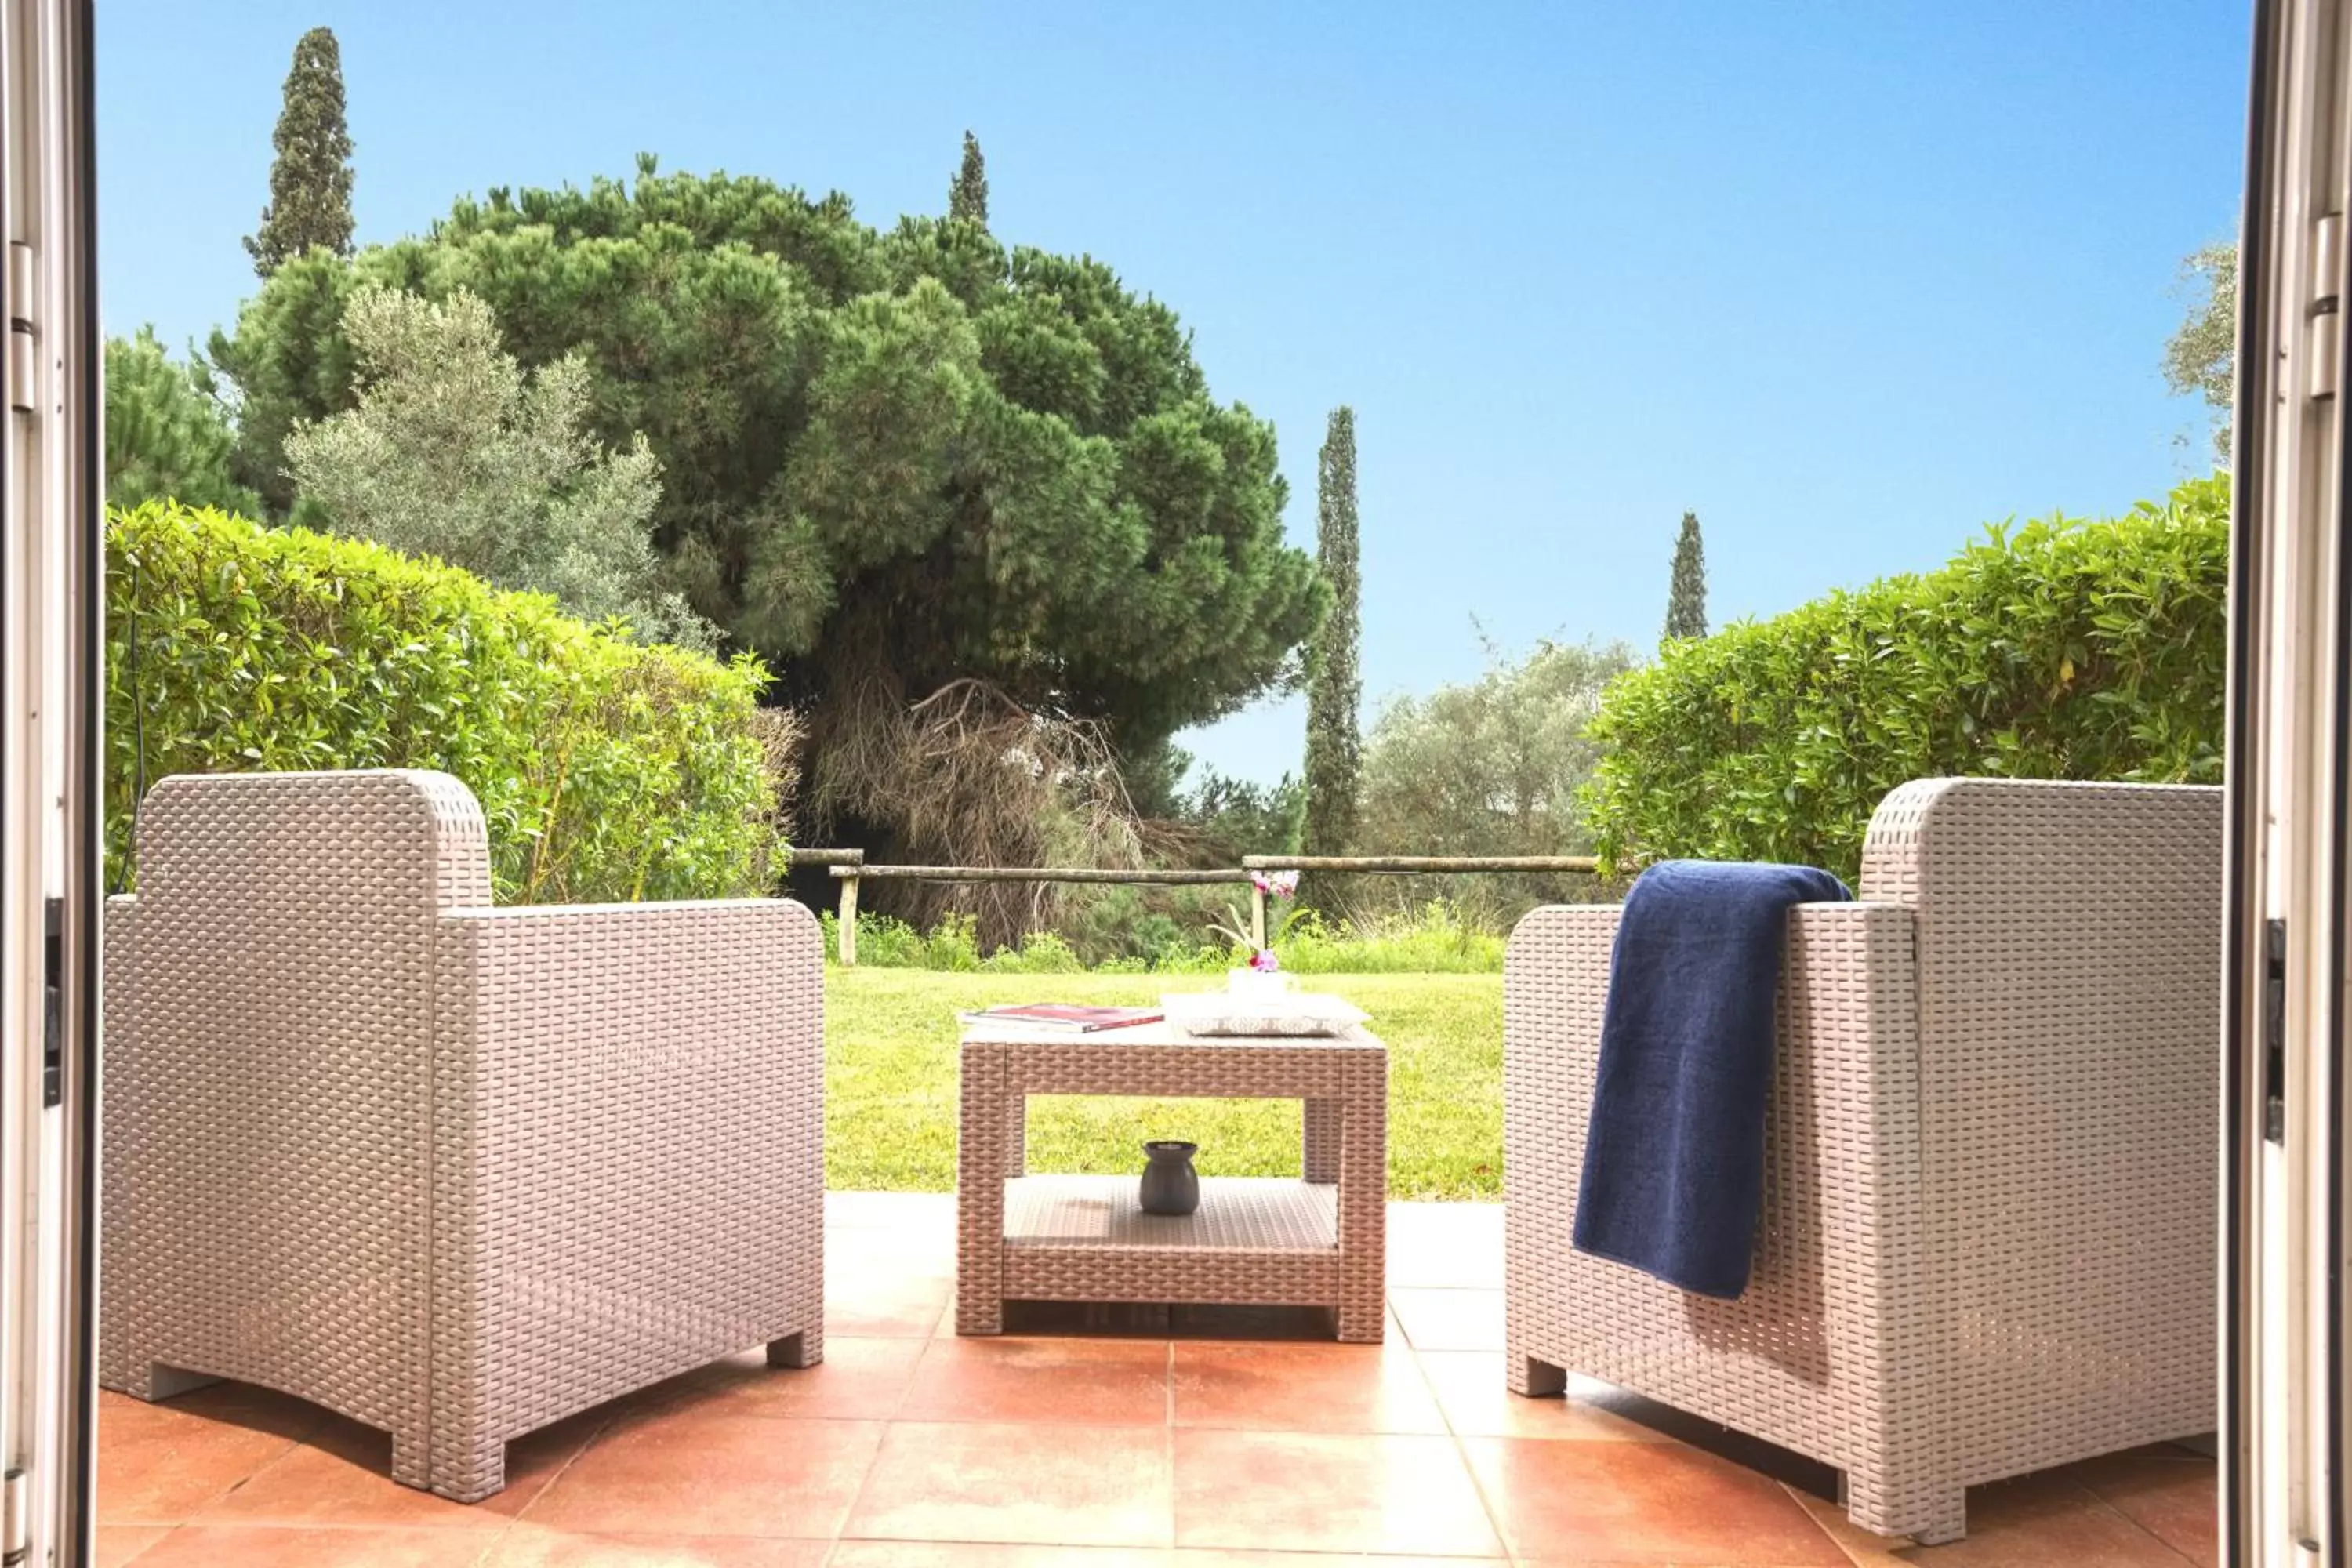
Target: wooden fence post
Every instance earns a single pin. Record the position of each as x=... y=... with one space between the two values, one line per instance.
x=849 y=924
x=1257 y=916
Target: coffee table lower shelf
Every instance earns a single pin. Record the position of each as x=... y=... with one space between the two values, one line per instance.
x=1254 y=1241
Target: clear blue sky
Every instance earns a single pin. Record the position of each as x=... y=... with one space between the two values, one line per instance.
x=1847 y=280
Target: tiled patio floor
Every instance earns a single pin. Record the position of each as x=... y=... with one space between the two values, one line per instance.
x=910 y=1449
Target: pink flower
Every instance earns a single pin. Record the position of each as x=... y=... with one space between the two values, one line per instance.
x=1264 y=961
x=1278 y=884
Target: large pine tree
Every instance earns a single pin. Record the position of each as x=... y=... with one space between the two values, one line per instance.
x=1686 y=597
x=1334 y=741
x=900 y=465
x=311 y=179
x=968 y=193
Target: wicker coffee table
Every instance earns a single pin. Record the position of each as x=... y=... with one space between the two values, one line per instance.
x=1315 y=1241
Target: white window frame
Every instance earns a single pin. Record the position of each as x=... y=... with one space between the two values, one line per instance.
x=2287 y=943
x=51 y=652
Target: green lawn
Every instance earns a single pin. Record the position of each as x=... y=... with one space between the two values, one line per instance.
x=891 y=1083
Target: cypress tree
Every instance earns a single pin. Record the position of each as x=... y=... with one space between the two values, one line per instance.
x=968 y=192
x=1686 y=598
x=1334 y=744
x=311 y=179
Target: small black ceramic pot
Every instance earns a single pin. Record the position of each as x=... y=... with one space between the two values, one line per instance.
x=1169 y=1184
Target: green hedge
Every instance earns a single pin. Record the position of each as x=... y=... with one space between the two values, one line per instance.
x=608 y=770
x=2062 y=649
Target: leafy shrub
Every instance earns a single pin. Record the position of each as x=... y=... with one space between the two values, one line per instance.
x=1436 y=938
x=885 y=942
x=608 y=770
x=1040 y=952
x=2060 y=649
x=1161 y=926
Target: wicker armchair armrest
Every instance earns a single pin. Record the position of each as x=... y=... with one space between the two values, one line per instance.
x=629 y=1145
x=1846 y=1007
x=1838 y=1237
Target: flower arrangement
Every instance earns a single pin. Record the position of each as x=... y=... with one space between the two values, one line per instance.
x=1275 y=887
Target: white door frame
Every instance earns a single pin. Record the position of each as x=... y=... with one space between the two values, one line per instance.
x=51 y=610
x=2283 y=1361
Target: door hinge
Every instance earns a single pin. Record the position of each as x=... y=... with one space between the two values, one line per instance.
x=2325 y=330
x=2274 y=1031
x=23 y=357
x=16 y=1528
x=53 y=991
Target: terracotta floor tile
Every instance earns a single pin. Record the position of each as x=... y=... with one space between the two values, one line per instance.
x=1862 y=1550
x=1051 y=1450
x=859 y=1380
x=1327 y=1492
x=1050 y=1486
x=2023 y=1523
x=1222 y=1557
x=2173 y=1495
x=881 y=1304
x=341 y=1475
x=696 y=1472
x=1447 y=1246
x=1088 y=1382
x=1302 y=1388
x=1450 y=1319
x=118 y=1544
x=978 y=1554
x=1470 y=1389
x=243 y=1404
x=974 y=1554
x=530 y=1545
x=1641 y=1502
x=159 y=1463
x=273 y=1546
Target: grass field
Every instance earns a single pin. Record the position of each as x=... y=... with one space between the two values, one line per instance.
x=891 y=1083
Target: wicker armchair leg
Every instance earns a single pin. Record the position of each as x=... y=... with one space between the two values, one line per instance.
x=801 y=1350
x=411 y=1461
x=162 y=1382
x=1931 y=1515
x=1535 y=1378
x=460 y=1473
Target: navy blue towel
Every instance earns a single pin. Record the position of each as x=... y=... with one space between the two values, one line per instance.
x=1673 y=1159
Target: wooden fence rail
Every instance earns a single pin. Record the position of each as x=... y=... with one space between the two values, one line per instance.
x=1033 y=874
x=849 y=869
x=1419 y=865
x=827 y=857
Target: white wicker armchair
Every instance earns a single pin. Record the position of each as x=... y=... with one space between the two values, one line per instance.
x=1988 y=1231
x=452 y=1171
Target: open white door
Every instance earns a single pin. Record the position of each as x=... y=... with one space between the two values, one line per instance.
x=50 y=610
x=2283 y=1362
